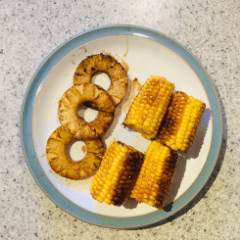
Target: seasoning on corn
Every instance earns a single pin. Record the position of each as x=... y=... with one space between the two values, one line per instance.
x=149 y=107
x=182 y=121
x=117 y=174
x=154 y=181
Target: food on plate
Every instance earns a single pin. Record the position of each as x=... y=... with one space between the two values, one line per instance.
x=124 y=171
x=104 y=63
x=154 y=181
x=117 y=174
x=59 y=158
x=69 y=105
x=149 y=107
x=182 y=121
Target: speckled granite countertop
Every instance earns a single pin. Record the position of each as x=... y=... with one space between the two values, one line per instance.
x=30 y=30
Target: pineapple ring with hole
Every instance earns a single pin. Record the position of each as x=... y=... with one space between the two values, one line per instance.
x=104 y=63
x=76 y=125
x=57 y=150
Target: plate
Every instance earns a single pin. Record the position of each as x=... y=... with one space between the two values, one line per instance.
x=143 y=52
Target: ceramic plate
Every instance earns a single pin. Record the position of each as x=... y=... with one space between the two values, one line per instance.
x=143 y=52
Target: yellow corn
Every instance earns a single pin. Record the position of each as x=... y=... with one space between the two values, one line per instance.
x=182 y=121
x=117 y=174
x=149 y=107
x=154 y=181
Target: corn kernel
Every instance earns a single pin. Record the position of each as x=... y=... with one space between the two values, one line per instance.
x=107 y=201
x=174 y=147
x=178 y=145
x=151 y=203
x=134 y=121
x=179 y=140
x=99 y=199
x=151 y=129
x=146 y=124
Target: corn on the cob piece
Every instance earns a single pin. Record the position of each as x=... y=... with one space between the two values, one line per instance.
x=117 y=174
x=149 y=107
x=182 y=120
x=156 y=175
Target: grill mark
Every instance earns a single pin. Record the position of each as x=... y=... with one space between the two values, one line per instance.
x=54 y=139
x=79 y=74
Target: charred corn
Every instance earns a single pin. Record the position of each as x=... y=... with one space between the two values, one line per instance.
x=149 y=107
x=154 y=181
x=117 y=174
x=182 y=121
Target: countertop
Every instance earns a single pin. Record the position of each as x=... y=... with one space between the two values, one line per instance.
x=30 y=30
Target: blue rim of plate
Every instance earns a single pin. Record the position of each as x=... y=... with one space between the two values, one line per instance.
x=26 y=125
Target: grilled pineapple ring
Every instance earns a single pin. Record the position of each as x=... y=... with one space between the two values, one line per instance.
x=62 y=164
x=104 y=63
x=76 y=125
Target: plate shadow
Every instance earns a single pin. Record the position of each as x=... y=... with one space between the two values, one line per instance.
x=130 y=203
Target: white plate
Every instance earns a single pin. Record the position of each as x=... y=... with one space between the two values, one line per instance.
x=145 y=52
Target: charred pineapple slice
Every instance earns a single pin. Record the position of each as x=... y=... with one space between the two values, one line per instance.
x=60 y=161
x=104 y=63
x=76 y=125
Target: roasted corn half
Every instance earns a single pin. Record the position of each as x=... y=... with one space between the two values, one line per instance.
x=117 y=174
x=149 y=107
x=154 y=181
x=182 y=121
